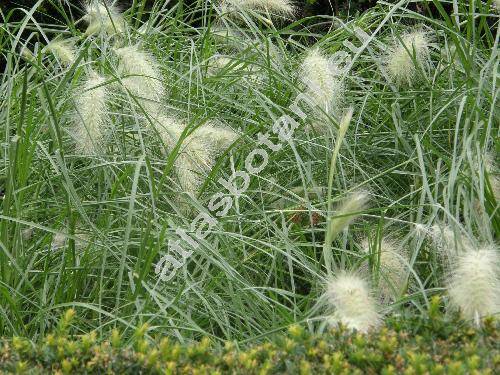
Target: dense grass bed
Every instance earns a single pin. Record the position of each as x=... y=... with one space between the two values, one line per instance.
x=363 y=154
x=426 y=346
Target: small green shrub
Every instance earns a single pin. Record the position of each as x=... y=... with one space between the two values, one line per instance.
x=396 y=348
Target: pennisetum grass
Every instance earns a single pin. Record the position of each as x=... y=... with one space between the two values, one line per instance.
x=279 y=7
x=474 y=283
x=321 y=76
x=414 y=144
x=353 y=302
x=91 y=118
x=63 y=50
x=141 y=77
x=103 y=17
x=407 y=56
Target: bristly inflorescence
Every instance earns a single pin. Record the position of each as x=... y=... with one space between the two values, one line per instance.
x=448 y=241
x=63 y=49
x=90 y=122
x=393 y=268
x=474 y=283
x=140 y=75
x=348 y=211
x=197 y=151
x=353 y=302
x=321 y=76
x=103 y=17
x=274 y=7
x=407 y=56
x=193 y=161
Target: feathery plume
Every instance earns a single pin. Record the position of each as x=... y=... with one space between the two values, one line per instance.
x=102 y=16
x=217 y=136
x=321 y=74
x=348 y=211
x=448 y=243
x=276 y=7
x=198 y=151
x=393 y=268
x=63 y=50
x=474 y=283
x=141 y=77
x=443 y=238
x=353 y=302
x=91 y=118
x=194 y=160
x=400 y=59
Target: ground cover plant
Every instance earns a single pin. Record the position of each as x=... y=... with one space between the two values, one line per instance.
x=379 y=192
x=430 y=344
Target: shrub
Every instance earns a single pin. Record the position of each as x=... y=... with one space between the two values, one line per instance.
x=429 y=346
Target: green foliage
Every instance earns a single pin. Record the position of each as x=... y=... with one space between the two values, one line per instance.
x=86 y=232
x=389 y=350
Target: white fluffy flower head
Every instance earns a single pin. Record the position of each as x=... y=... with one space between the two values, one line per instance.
x=394 y=272
x=474 y=283
x=102 y=16
x=407 y=56
x=141 y=77
x=321 y=75
x=198 y=151
x=348 y=211
x=91 y=118
x=191 y=157
x=353 y=302
x=63 y=50
x=276 y=7
x=448 y=243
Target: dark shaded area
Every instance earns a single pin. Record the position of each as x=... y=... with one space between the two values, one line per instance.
x=51 y=9
x=60 y=12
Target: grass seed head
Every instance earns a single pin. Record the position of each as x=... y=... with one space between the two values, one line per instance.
x=393 y=263
x=141 y=77
x=104 y=17
x=474 y=283
x=447 y=242
x=321 y=77
x=348 y=211
x=91 y=117
x=63 y=50
x=194 y=159
x=400 y=61
x=275 y=7
x=353 y=302
x=216 y=136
